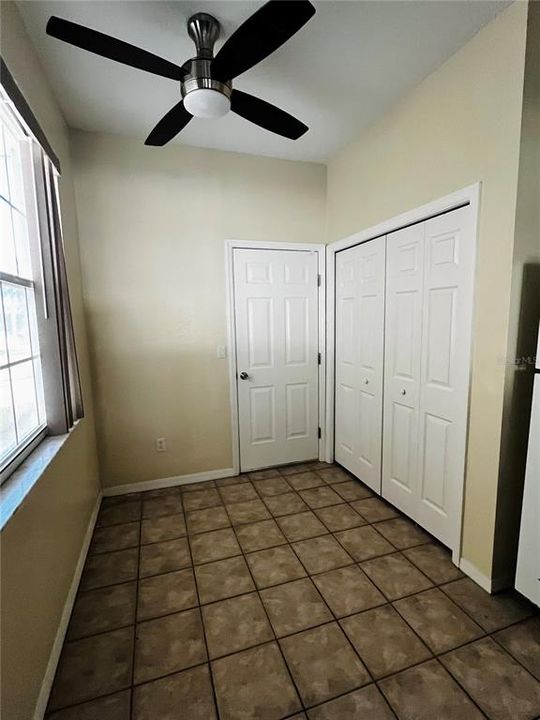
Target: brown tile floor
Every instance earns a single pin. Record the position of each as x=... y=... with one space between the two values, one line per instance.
x=290 y=593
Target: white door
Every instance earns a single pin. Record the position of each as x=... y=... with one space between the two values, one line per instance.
x=445 y=368
x=403 y=338
x=359 y=359
x=430 y=272
x=276 y=322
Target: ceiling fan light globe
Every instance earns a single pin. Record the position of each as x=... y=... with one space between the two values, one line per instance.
x=207 y=103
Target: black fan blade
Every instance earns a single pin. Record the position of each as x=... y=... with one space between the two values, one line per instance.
x=262 y=33
x=170 y=125
x=112 y=48
x=266 y=115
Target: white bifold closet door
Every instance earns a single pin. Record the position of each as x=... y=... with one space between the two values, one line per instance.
x=429 y=293
x=360 y=284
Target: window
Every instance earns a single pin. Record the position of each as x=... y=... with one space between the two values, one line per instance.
x=22 y=409
x=39 y=381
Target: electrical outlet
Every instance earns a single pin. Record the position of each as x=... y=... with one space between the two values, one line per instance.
x=161 y=444
x=221 y=351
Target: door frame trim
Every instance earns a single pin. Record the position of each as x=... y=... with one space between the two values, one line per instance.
x=469 y=195
x=230 y=246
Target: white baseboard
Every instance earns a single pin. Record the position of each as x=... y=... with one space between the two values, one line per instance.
x=474 y=573
x=490 y=585
x=168 y=482
x=54 y=657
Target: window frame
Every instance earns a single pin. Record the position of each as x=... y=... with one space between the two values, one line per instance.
x=9 y=118
x=62 y=398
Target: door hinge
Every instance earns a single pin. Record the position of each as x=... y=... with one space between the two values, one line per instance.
x=319 y=280
x=319 y=358
x=319 y=433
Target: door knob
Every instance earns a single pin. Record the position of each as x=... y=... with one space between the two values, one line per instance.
x=244 y=375
x=403 y=392
x=366 y=382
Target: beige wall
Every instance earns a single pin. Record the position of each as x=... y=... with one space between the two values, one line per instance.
x=524 y=313
x=40 y=545
x=152 y=223
x=461 y=125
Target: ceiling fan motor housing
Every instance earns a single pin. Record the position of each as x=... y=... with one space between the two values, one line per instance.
x=203 y=94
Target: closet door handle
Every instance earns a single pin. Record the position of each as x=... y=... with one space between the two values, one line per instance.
x=366 y=382
x=403 y=392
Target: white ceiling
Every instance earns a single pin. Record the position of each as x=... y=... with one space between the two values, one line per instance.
x=350 y=63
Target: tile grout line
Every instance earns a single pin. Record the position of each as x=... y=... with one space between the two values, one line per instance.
x=180 y=492
x=134 y=634
x=293 y=681
x=390 y=603
x=66 y=641
x=288 y=543
x=334 y=620
x=48 y=715
x=203 y=628
x=337 y=621
x=266 y=642
x=464 y=610
x=489 y=633
x=235 y=597
x=434 y=656
x=315 y=574
x=506 y=651
x=275 y=519
x=463 y=689
x=337 y=618
x=350 y=692
x=319 y=626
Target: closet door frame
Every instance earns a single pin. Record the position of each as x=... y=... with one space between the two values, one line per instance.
x=469 y=195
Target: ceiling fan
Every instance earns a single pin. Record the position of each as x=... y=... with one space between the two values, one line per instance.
x=205 y=80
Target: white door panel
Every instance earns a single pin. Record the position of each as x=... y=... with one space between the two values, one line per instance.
x=276 y=321
x=403 y=337
x=400 y=459
x=298 y=410
x=260 y=336
x=359 y=359
x=447 y=311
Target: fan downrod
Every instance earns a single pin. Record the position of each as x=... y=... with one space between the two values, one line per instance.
x=204 y=30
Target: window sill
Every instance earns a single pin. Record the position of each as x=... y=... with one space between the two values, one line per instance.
x=15 y=489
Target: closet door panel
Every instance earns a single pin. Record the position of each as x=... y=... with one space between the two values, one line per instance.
x=360 y=291
x=403 y=340
x=403 y=433
x=447 y=310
